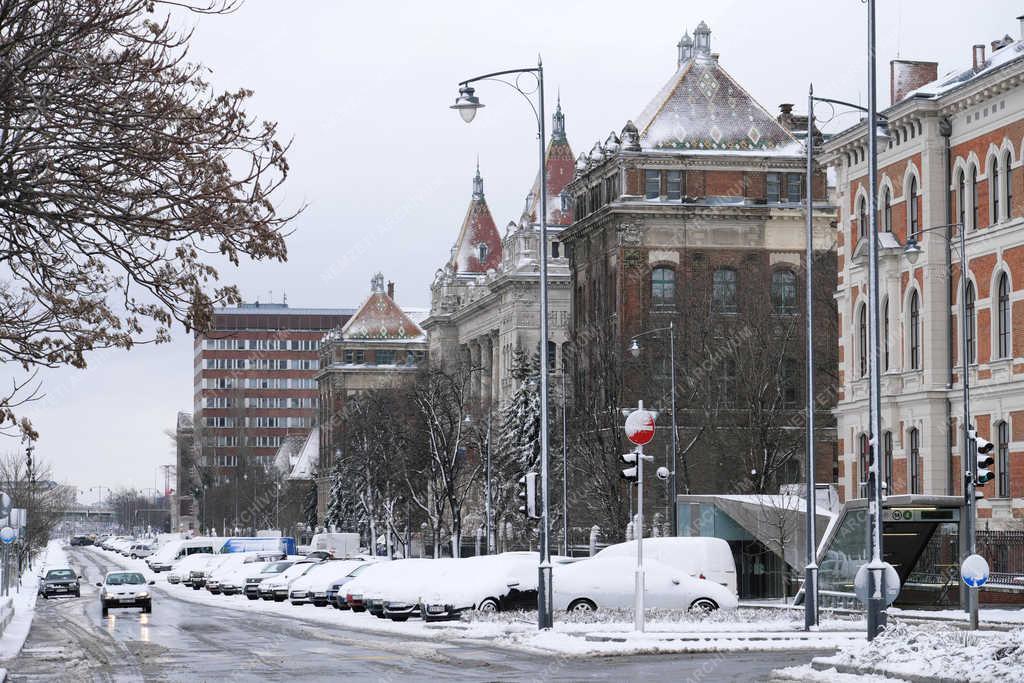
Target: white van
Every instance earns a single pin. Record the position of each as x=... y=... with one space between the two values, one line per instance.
x=337 y=545
x=164 y=558
x=698 y=556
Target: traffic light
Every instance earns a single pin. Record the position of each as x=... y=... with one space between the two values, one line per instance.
x=528 y=495
x=983 y=448
x=630 y=473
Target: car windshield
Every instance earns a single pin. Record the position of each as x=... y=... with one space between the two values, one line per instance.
x=123 y=578
x=358 y=570
x=60 y=574
x=276 y=568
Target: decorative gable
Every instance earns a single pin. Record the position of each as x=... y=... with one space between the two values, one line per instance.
x=381 y=318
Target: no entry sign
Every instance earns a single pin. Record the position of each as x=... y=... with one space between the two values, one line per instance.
x=640 y=426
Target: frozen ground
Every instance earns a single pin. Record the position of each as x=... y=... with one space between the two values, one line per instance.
x=24 y=595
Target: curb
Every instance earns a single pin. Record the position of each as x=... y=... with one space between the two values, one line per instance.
x=820 y=664
x=725 y=637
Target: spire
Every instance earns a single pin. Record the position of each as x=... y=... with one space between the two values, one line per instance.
x=478 y=182
x=377 y=283
x=558 y=122
x=702 y=40
x=685 y=46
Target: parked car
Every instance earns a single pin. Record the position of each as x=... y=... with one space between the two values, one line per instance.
x=367 y=591
x=230 y=563
x=163 y=559
x=125 y=589
x=182 y=569
x=312 y=586
x=59 y=581
x=259 y=574
x=608 y=583
x=81 y=540
x=697 y=556
x=336 y=591
x=138 y=550
x=276 y=588
x=489 y=583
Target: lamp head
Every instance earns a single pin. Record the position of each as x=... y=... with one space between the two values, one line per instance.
x=634 y=348
x=467 y=103
x=912 y=249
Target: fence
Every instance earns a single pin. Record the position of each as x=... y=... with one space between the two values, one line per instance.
x=1004 y=551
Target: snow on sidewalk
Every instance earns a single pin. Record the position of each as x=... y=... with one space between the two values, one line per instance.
x=24 y=599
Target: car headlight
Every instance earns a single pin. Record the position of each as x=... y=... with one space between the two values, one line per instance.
x=143 y=594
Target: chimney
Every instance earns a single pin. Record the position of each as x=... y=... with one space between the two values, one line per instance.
x=906 y=75
x=391 y=289
x=1020 y=21
x=979 y=56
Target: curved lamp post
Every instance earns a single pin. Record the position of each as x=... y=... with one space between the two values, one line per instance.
x=467 y=104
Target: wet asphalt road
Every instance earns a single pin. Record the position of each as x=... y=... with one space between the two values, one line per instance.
x=183 y=641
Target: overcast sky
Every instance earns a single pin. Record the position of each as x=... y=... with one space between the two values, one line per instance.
x=385 y=167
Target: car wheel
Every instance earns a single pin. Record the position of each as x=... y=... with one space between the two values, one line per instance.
x=104 y=610
x=78 y=594
x=488 y=605
x=582 y=605
x=252 y=597
x=703 y=605
x=358 y=609
x=45 y=596
x=147 y=608
x=134 y=556
x=402 y=617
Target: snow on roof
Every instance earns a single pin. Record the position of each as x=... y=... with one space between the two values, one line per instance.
x=381 y=318
x=288 y=453
x=560 y=169
x=703 y=108
x=309 y=456
x=478 y=247
x=1010 y=52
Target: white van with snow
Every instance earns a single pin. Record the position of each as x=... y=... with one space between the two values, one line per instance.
x=698 y=556
x=165 y=558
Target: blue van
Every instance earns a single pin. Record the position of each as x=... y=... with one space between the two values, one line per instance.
x=246 y=544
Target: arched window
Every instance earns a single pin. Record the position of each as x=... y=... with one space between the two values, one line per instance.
x=862 y=216
x=1003 y=316
x=1008 y=181
x=663 y=287
x=862 y=341
x=1003 y=458
x=915 y=332
x=913 y=215
x=482 y=252
x=885 y=337
x=886 y=210
x=784 y=291
x=971 y=325
x=974 y=197
x=790 y=385
x=961 y=198
x=863 y=469
x=552 y=356
x=914 y=461
x=723 y=295
x=887 y=444
x=994 y=189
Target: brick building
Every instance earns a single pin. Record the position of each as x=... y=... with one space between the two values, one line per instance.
x=255 y=381
x=953 y=158
x=693 y=216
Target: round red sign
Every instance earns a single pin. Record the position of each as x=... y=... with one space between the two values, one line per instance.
x=640 y=427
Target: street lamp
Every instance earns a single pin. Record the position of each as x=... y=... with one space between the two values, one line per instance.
x=467 y=105
x=634 y=349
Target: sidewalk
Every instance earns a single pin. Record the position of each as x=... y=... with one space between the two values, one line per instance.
x=23 y=601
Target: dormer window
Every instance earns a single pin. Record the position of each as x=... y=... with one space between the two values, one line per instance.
x=481 y=252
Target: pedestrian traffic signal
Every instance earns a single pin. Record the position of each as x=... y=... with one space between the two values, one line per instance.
x=630 y=474
x=528 y=495
x=983 y=448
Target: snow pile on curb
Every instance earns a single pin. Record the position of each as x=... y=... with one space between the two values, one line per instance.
x=936 y=651
x=24 y=596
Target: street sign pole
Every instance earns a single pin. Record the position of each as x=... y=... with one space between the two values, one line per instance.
x=639 y=430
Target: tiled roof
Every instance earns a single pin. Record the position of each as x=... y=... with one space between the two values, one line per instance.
x=381 y=318
x=560 y=168
x=703 y=108
x=478 y=230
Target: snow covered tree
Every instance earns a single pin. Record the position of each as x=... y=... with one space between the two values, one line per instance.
x=519 y=443
x=339 y=507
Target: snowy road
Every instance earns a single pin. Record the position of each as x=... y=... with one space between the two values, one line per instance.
x=184 y=641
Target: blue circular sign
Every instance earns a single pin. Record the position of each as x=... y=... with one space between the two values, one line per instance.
x=974 y=571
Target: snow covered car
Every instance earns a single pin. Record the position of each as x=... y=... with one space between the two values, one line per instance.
x=257 y=575
x=312 y=586
x=138 y=550
x=336 y=591
x=607 y=583
x=59 y=581
x=125 y=589
x=368 y=591
x=229 y=566
x=276 y=588
x=701 y=557
x=488 y=583
x=182 y=569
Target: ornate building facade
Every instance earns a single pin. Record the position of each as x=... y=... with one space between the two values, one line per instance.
x=485 y=299
x=953 y=160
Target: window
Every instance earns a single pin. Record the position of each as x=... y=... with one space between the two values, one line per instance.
x=784 y=292
x=675 y=185
x=727 y=383
x=994 y=189
x=790 y=383
x=961 y=198
x=1008 y=181
x=862 y=216
x=482 y=252
x=663 y=287
x=552 y=355
x=1003 y=459
x=913 y=216
x=723 y=295
x=652 y=184
x=885 y=336
x=1003 y=316
x=384 y=356
x=862 y=340
x=886 y=210
x=793 y=188
x=555 y=250
x=915 y=332
x=969 y=306
x=974 y=198
x=914 y=462
x=887 y=445
x=863 y=470
x=773 y=188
